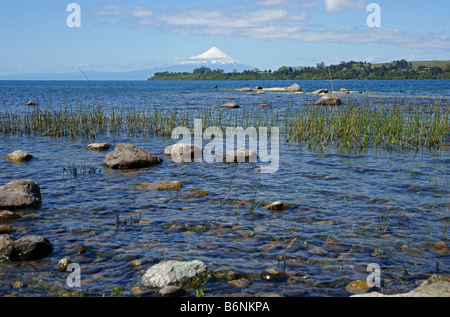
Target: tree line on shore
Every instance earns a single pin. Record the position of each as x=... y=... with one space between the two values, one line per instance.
x=345 y=71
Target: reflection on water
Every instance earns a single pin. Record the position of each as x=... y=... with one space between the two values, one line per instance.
x=345 y=211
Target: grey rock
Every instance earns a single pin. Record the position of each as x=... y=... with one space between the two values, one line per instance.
x=20 y=194
x=320 y=92
x=240 y=155
x=177 y=273
x=18 y=156
x=6 y=247
x=172 y=291
x=31 y=103
x=328 y=100
x=272 y=274
x=99 y=146
x=63 y=264
x=7 y=215
x=28 y=248
x=129 y=156
x=230 y=105
x=294 y=88
x=181 y=152
x=435 y=286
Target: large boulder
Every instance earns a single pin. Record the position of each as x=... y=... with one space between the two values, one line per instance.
x=178 y=273
x=20 y=194
x=129 y=156
x=435 y=286
x=328 y=100
x=28 y=248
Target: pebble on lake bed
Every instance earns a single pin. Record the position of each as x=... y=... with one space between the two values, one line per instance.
x=162 y=185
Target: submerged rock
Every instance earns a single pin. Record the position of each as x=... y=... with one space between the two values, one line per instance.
x=28 y=248
x=358 y=287
x=162 y=185
x=63 y=264
x=278 y=205
x=7 y=215
x=177 y=273
x=20 y=194
x=328 y=100
x=5 y=229
x=129 y=156
x=239 y=156
x=18 y=156
x=272 y=274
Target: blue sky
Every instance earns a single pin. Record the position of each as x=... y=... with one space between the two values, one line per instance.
x=267 y=34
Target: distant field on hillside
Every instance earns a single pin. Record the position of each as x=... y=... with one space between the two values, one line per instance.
x=420 y=63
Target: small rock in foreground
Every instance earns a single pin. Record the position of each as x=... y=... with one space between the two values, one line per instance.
x=99 y=146
x=162 y=185
x=278 y=205
x=18 y=156
x=182 y=152
x=178 y=273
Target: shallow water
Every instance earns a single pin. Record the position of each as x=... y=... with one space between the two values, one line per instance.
x=345 y=212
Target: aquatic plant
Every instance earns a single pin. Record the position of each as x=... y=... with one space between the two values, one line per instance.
x=405 y=125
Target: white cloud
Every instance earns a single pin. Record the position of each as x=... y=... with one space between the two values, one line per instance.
x=141 y=12
x=338 y=6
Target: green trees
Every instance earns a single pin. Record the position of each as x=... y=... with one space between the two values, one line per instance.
x=345 y=71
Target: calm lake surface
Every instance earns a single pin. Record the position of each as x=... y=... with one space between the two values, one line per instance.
x=346 y=210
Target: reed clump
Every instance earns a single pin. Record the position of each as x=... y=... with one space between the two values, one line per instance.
x=354 y=126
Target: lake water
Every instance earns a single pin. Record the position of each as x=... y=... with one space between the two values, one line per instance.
x=346 y=211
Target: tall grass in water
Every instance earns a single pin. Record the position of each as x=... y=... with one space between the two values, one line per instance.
x=398 y=126
x=403 y=125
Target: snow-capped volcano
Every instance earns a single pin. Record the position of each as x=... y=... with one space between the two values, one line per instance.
x=213 y=56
